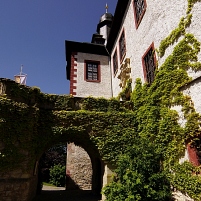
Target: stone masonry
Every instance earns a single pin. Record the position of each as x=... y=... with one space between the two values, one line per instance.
x=78 y=168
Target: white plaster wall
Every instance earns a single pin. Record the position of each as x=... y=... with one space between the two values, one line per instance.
x=185 y=157
x=182 y=121
x=194 y=91
x=160 y=18
x=178 y=196
x=95 y=89
x=195 y=29
x=104 y=32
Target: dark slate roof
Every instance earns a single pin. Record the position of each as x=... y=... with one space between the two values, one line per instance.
x=105 y=19
x=91 y=48
x=106 y=16
x=117 y=21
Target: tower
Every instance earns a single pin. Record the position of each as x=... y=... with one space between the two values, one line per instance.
x=103 y=28
x=21 y=77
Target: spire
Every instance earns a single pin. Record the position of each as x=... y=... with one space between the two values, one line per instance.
x=106 y=7
x=21 y=69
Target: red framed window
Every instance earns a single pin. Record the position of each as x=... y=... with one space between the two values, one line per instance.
x=122 y=46
x=194 y=152
x=115 y=63
x=149 y=64
x=139 y=10
x=92 y=71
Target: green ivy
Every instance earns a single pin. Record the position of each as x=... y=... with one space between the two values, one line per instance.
x=157 y=121
x=57 y=175
x=141 y=138
x=126 y=92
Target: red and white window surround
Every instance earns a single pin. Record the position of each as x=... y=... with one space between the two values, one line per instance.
x=92 y=71
x=122 y=46
x=149 y=64
x=139 y=10
x=115 y=63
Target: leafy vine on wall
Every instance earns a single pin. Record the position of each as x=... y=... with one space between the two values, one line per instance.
x=157 y=121
x=141 y=138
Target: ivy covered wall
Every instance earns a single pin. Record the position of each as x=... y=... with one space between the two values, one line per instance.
x=141 y=138
x=31 y=122
x=149 y=165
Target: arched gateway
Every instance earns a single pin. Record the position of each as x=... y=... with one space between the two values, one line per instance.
x=31 y=122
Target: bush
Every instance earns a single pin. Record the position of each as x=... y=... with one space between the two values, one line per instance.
x=139 y=176
x=58 y=175
x=53 y=156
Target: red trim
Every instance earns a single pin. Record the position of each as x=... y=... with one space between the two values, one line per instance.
x=140 y=19
x=68 y=172
x=115 y=72
x=73 y=75
x=122 y=56
x=143 y=64
x=193 y=158
x=85 y=71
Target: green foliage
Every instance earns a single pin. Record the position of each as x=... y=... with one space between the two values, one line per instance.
x=58 y=175
x=186 y=179
x=139 y=175
x=126 y=92
x=178 y=31
x=102 y=105
x=157 y=122
x=190 y=5
x=53 y=156
x=141 y=138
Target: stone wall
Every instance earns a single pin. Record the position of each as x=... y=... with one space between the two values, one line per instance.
x=78 y=168
x=18 y=189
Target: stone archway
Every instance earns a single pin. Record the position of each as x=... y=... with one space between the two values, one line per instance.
x=31 y=121
x=84 y=171
x=95 y=159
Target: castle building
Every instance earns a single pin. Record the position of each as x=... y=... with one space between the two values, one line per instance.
x=124 y=48
x=125 y=40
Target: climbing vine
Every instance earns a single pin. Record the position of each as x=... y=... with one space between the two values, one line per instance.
x=141 y=138
x=126 y=92
x=157 y=121
x=32 y=122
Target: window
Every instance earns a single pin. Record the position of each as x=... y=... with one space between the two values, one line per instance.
x=194 y=151
x=139 y=10
x=92 y=71
x=115 y=62
x=197 y=145
x=122 y=46
x=149 y=64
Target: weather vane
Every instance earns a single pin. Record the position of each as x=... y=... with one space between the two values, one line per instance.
x=21 y=77
x=106 y=7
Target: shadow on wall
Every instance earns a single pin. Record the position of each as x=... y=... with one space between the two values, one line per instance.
x=70 y=184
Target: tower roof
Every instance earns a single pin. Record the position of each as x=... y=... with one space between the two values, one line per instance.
x=91 y=48
x=106 y=16
x=106 y=19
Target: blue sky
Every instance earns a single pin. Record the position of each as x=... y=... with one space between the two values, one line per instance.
x=33 y=34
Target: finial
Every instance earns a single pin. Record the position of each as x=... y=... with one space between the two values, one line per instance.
x=21 y=69
x=106 y=7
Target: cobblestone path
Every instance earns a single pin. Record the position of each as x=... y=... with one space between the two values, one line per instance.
x=59 y=194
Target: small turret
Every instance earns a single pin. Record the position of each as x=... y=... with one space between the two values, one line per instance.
x=21 y=77
x=103 y=28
